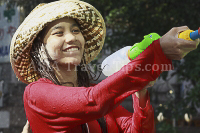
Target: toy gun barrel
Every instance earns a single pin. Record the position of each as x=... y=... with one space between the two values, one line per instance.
x=195 y=34
x=190 y=35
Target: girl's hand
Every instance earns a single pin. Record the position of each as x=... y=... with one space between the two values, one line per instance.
x=142 y=94
x=176 y=48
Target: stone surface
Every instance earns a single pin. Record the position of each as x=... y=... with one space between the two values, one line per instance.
x=4 y=119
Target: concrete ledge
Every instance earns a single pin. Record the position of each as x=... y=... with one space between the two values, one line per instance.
x=4 y=119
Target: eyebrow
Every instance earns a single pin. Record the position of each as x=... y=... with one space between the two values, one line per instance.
x=57 y=27
x=75 y=25
x=61 y=27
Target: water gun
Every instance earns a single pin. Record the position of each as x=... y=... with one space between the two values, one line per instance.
x=117 y=60
x=138 y=48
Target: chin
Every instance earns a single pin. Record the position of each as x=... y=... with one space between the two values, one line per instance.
x=76 y=63
x=73 y=61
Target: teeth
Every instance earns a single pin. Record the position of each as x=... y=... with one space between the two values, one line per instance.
x=72 y=49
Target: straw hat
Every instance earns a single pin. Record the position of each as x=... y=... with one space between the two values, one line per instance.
x=91 y=24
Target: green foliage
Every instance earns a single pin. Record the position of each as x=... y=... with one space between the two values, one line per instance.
x=165 y=127
x=176 y=109
x=28 y=5
x=193 y=96
x=9 y=13
x=130 y=20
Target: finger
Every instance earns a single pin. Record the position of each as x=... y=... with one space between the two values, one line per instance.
x=181 y=28
x=143 y=90
x=197 y=41
x=175 y=56
x=186 y=44
x=27 y=123
x=26 y=126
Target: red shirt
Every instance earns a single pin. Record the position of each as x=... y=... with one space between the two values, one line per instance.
x=53 y=108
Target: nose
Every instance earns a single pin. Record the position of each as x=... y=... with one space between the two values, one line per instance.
x=70 y=38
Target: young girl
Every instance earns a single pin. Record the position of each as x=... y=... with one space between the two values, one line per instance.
x=50 y=52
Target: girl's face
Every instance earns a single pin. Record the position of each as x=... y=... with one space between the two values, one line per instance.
x=64 y=41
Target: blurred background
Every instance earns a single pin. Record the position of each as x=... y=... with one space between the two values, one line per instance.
x=176 y=94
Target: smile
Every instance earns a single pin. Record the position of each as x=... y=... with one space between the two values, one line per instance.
x=71 y=49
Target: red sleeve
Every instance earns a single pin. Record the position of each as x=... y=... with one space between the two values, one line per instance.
x=141 y=121
x=143 y=118
x=70 y=106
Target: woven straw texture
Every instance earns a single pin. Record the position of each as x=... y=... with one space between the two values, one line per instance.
x=91 y=24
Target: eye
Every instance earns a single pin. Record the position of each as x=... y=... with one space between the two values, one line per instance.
x=76 y=31
x=58 y=33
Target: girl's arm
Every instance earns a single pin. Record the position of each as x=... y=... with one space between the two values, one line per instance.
x=141 y=121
